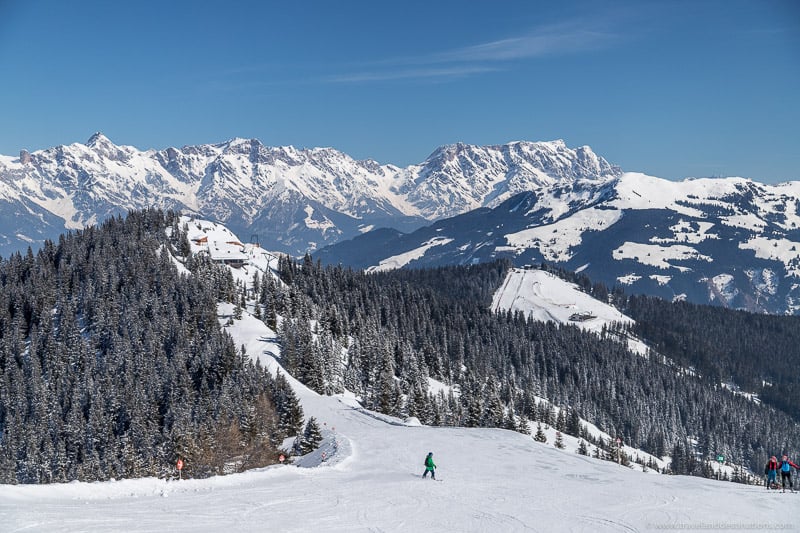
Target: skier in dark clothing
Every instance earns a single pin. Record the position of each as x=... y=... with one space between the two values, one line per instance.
x=771 y=471
x=786 y=472
x=430 y=466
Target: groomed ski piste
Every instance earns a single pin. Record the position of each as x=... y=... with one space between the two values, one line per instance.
x=366 y=477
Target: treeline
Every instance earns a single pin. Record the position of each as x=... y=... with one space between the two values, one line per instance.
x=402 y=327
x=758 y=353
x=113 y=365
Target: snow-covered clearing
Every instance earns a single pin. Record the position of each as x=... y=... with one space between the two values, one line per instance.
x=401 y=260
x=546 y=297
x=555 y=241
x=493 y=480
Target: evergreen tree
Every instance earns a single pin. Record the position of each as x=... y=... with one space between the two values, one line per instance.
x=559 y=442
x=524 y=425
x=561 y=420
x=510 y=420
x=311 y=438
x=540 y=436
x=574 y=423
x=582 y=449
x=290 y=412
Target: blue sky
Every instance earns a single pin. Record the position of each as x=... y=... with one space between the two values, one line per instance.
x=673 y=89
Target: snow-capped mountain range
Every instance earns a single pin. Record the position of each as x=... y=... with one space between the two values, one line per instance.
x=293 y=200
x=729 y=241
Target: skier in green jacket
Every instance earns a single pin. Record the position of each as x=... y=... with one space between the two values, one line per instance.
x=430 y=466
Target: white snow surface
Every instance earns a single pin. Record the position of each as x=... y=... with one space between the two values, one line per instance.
x=546 y=297
x=725 y=288
x=657 y=255
x=401 y=260
x=555 y=241
x=782 y=250
x=366 y=475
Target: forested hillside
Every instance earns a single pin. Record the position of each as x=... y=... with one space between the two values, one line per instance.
x=113 y=365
x=406 y=325
x=113 y=362
x=756 y=352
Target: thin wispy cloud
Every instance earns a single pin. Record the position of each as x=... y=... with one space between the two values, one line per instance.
x=567 y=38
x=415 y=73
x=553 y=40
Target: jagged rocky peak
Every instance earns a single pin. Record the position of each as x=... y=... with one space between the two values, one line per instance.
x=239 y=145
x=556 y=145
x=103 y=147
x=446 y=152
x=592 y=163
x=98 y=139
x=551 y=158
x=559 y=160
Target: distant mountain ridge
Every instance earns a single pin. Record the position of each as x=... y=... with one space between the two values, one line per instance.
x=728 y=241
x=293 y=200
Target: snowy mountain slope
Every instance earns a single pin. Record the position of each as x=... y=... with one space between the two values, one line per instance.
x=543 y=296
x=546 y=297
x=731 y=242
x=521 y=486
x=293 y=199
x=370 y=481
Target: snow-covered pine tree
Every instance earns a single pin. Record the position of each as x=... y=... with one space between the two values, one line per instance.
x=574 y=423
x=539 y=436
x=510 y=419
x=290 y=412
x=311 y=438
x=561 y=420
x=582 y=449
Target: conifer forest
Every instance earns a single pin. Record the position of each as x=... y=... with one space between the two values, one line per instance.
x=113 y=362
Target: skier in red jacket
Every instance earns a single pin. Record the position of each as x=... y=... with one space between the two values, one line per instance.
x=771 y=471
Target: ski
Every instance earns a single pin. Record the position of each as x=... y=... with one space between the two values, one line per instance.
x=426 y=478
